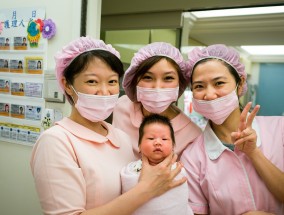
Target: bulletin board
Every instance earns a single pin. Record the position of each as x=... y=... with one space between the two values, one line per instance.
x=23 y=56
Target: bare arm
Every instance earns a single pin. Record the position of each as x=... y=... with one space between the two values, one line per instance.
x=154 y=181
x=245 y=141
x=127 y=203
x=270 y=174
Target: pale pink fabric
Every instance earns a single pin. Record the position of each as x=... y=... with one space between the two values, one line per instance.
x=127 y=116
x=225 y=182
x=76 y=169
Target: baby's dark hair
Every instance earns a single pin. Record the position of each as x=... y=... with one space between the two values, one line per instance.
x=155 y=118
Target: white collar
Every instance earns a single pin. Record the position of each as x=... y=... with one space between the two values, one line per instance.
x=214 y=147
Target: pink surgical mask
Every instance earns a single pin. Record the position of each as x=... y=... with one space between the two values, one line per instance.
x=219 y=109
x=156 y=100
x=94 y=107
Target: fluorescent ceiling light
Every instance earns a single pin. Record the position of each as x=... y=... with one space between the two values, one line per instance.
x=239 y=12
x=251 y=50
x=264 y=50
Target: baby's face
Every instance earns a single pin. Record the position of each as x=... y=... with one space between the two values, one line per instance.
x=156 y=143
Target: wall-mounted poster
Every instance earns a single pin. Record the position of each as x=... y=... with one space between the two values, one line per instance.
x=20 y=43
x=17 y=66
x=4 y=109
x=4 y=43
x=18 y=111
x=17 y=33
x=5 y=130
x=33 y=89
x=22 y=134
x=4 y=86
x=14 y=131
x=4 y=65
x=33 y=134
x=34 y=65
x=33 y=112
x=18 y=89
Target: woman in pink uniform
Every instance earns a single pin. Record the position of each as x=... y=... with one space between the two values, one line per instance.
x=155 y=80
x=236 y=166
x=76 y=163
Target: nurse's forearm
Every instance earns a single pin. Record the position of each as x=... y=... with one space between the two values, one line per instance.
x=125 y=204
x=270 y=174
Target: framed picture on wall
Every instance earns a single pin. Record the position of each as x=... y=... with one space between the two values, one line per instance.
x=20 y=43
x=4 y=109
x=34 y=65
x=4 y=65
x=4 y=86
x=18 y=89
x=18 y=111
x=16 y=66
x=4 y=43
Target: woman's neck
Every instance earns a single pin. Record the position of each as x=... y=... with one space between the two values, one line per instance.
x=171 y=112
x=231 y=124
x=97 y=127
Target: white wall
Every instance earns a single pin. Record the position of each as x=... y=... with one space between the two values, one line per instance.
x=17 y=192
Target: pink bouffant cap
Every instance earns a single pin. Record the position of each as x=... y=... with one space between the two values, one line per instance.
x=150 y=50
x=218 y=51
x=69 y=52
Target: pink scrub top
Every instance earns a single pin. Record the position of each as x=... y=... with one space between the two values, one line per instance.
x=127 y=116
x=76 y=169
x=222 y=181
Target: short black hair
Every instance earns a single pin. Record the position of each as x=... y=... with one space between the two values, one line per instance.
x=229 y=67
x=149 y=63
x=81 y=62
x=155 y=118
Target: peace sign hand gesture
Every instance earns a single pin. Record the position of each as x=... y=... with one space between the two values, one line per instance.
x=245 y=138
